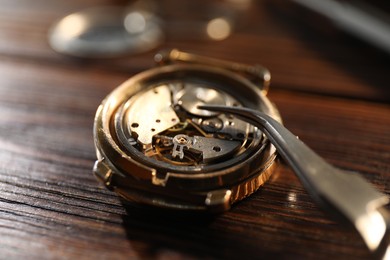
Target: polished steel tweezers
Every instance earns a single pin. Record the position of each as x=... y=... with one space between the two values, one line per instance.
x=337 y=191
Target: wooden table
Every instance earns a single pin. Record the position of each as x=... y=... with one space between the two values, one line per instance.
x=332 y=92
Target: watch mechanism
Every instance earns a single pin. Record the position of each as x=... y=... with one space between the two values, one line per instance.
x=165 y=124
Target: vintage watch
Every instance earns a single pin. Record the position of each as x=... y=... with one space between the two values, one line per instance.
x=200 y=134
x=156 y=147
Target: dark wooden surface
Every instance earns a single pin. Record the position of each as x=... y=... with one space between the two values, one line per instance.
x=332 y=92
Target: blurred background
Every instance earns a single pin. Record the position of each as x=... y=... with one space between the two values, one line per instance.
x=283 y=35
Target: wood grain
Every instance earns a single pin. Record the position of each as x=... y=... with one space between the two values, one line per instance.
x=331 y=92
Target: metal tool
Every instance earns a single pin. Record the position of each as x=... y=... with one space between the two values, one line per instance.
x=347 y=193
x=361 y=19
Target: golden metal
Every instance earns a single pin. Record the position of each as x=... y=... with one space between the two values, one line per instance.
x=129 y=166
x=256 y=73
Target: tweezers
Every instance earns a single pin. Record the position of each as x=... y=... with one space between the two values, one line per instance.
x=347 y=194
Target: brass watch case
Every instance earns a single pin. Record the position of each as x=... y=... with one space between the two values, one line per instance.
x=123 y=169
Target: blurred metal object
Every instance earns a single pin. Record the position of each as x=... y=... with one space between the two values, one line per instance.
x=362 y=20
x=110 y=31
x=347 y=193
